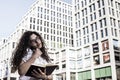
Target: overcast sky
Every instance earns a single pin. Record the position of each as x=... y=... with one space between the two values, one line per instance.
x=11 y=12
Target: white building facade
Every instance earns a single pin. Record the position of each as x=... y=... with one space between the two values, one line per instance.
x=97 y=28
x=66 y=59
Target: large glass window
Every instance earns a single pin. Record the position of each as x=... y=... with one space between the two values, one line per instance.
x=86 y=51
x=79 y=54
x=87 y=62
x=72 y=76
x=106 y=57
x=84 y=75
x=72 y=64
x=117 y=56
x=96 y=60
x=105 y=45
x=103 y=73
x=115 y=44
x=95 y=48
x=118 y=72
x=80 y=64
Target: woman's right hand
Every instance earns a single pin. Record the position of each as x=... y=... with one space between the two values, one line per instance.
x=41 y=75
x=36 y=53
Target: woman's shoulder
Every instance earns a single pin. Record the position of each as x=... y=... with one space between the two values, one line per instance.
x=28 y=54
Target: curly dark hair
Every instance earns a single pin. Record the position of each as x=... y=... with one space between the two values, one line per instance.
x=21 y=49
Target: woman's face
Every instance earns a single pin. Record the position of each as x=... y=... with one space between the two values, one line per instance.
x=35 y=41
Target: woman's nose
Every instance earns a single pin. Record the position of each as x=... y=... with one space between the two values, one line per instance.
x=36 y=41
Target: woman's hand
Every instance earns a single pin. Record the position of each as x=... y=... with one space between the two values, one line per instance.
x=37 y=53
x=50 y=77
x=41 y=75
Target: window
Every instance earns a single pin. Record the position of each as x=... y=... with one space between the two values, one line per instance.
x=79 y=53
x=115 y=44
x=87 y=51
x=117 y=56
x=84 y=31
x=63 y=65
x=72 y=63
x=83 y=21
x=33 y=20
x=72 y=76
x=118 y=71
x=103 y=11
x=113 y=13
x=102 y=22
x=94 y=15
x=80 y=63
x=105 y=45
x=93 y=37
x=13 y=45
x=30 y=19
x=88 y=39
x=100 y=14
x=84 y=40
x=101 y=73
x=102 y=2
x=86 y=11
x=95 y=48
x=96 y=33
x=96 y=60
x=102 y=34
x=106 y=57
x=106 y=32
x=91 y=17
x=119 y=24
x=86 y=75
x=87 y=62
x=37 y=27
x=30 y=26
x=82 y=3
x=82 y=13
x=98 y=3
x=115 y=30
x=90 y=7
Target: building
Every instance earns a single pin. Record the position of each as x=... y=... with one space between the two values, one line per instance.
x=66 y=58
x=97 y=28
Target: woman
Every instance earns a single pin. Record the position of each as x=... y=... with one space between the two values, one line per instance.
x=30 y=50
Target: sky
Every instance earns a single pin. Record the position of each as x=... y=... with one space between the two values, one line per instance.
x=11 y=12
